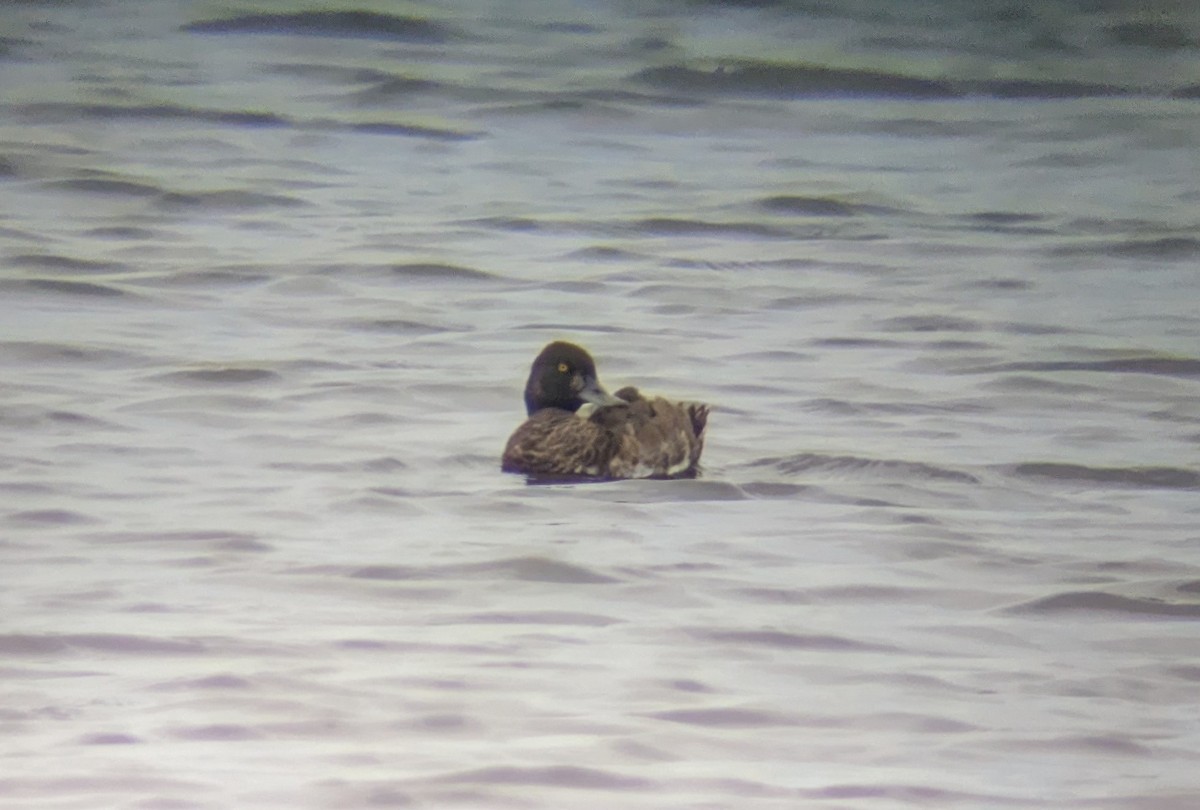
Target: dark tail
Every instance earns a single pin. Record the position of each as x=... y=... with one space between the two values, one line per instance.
x=698 y=413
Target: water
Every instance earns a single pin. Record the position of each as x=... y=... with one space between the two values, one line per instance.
x=270 y=290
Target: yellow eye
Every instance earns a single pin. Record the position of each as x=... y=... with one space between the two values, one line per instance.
x=562 y=367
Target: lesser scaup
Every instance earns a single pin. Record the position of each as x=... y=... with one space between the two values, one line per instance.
x=576 y=428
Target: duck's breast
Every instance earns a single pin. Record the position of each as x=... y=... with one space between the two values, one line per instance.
x=557 y=442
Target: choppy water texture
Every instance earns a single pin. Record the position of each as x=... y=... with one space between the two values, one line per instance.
x=271 y=282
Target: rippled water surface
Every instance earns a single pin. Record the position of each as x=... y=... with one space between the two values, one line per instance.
x=270 y=282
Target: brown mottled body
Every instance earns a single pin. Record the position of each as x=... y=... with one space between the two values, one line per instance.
x=626 y=436
x=557 y=442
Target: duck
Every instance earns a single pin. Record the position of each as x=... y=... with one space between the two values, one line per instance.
x=576 y=429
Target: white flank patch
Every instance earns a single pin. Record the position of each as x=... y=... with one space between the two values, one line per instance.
x=679 y=466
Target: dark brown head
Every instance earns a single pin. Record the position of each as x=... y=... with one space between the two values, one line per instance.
x=564 y=376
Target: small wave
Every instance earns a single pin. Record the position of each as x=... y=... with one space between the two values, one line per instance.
x=816 y=206
x=724 y=718
x=602 y=253
x=1167 y=248
x=1112 y=744
x=209 y=682
x=1047 y=89
x=568 y=27
x=911 y=722
x=557 y=776
x=1065 y=160
x=557 y=327
x=234 y=199
x=842 y=407
x=534 y=617
x=815 y=462
x=1029 y=382
x=529 y=569
x=412 y=271
x=73 y=419
x=229 y=275
x=681 y=489
x=1167 y=366
x=856 y=343
x=592 y=103
x=1160 y=35
x=65 y=112
x=51 y=261
x=808 y=80
x=221 y=537
x=351 y=24
x=219 y=732
x=1003 y=284
x=794 y=81
x=110 y=738
x=51 y=517
x=412 y=131
x=674 y=226
x=38 y=352
x=766 y=489
x=1007 y=222
x=62 y=111
x=123 y=232
x=19 y=644
x=389 y=573
x=540 y=569
x=1004 y=217
x=1100 y=602
x=921 y=128
x=329 y=467
x=387 y=89
x=336 y=74
x=1139 y=477
x=102 y=185
x=398 y=326
x=1170 y=247
x=83 y=288
x=768 y=264
x=929 y=323
x=907 y=795
x=782 y=640
x=220 y=376
x=203 y=405
x=513 y=224
x=577 y=287
x=440 y=272
x=769 y=356
x=1022 y=328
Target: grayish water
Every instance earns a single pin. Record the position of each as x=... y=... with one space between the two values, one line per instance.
x=269 y=291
